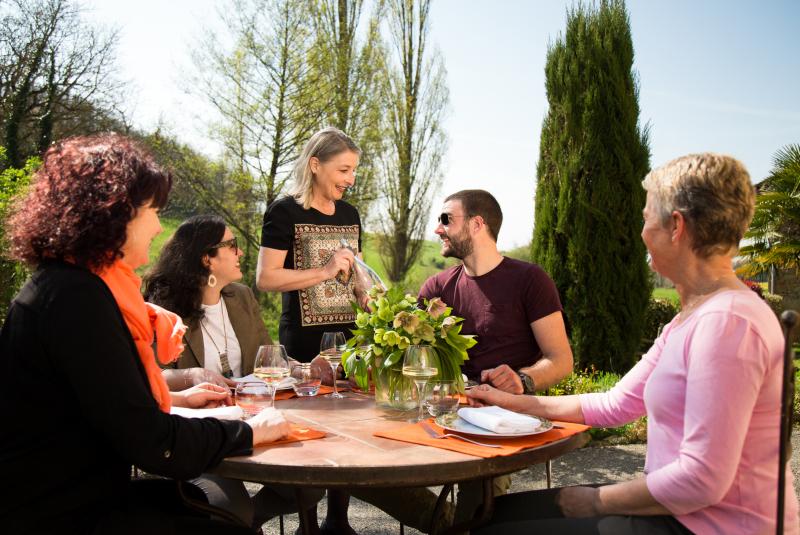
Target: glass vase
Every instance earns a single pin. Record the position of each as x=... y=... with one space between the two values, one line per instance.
x=392 y=389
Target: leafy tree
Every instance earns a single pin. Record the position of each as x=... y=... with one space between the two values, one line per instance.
x=589 y=198
x=262 y=89
x=775 y=230
x=56 y=76
x=349 y=73
x=12 y=183
x=410 y=173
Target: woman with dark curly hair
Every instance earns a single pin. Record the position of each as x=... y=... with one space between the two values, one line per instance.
x=78 y=345
x=196 y=276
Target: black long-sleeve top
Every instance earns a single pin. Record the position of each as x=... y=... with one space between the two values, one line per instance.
x=79 y=411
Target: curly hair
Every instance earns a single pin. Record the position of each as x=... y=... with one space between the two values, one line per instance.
x=81 y=200
x=175 y=282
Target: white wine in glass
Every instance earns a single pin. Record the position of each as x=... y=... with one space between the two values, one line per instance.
x=331 y=348
x=271 y=366
x=418 y=365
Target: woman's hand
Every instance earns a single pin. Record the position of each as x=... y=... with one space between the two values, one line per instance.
x=203 y=396
x=325 y=371
x=578 y=502
x=483 y=395
x=197 y=376
x=341 y=260
x=268 y=425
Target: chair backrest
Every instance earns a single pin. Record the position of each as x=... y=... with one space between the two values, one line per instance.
x=789 y=321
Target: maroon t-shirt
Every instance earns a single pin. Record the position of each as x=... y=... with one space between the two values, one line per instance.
x=499 y=307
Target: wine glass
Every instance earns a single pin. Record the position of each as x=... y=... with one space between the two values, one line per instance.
x=443 y=399
x=253 y=397
x=418 y=365
x=271 y=366
x=331 y=348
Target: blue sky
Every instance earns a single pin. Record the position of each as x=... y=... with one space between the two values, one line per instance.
x=714 y=75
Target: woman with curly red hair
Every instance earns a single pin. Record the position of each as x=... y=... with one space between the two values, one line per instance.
x=78 y=344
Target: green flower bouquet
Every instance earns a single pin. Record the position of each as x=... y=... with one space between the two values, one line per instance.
x=382 y=336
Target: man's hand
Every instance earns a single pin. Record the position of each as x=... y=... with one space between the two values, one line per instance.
x=503 y=378
x=203 y=396
x=268 y=425
x=578 y=502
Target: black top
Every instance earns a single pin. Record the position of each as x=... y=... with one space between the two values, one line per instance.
x=78 y=410
x=310 y=238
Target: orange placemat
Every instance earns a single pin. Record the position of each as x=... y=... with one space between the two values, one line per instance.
x=415 y=434
x=296 y=434
x=289 y=393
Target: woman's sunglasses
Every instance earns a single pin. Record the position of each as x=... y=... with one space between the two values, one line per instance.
x=232 y=243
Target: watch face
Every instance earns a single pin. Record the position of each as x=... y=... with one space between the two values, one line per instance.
x=527 y=383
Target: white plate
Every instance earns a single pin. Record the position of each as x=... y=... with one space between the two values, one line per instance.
x=459 y=425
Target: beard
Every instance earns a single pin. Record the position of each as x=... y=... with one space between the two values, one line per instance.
x=460 y=246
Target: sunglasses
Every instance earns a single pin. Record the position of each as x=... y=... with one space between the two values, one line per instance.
x=232 y=243
x=445 y=218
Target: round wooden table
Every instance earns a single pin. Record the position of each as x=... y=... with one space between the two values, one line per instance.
x=350 y=456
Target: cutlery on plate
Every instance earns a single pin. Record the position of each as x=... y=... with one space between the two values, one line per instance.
x=433 y=434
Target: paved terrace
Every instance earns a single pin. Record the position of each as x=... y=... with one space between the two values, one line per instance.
x=592 y=464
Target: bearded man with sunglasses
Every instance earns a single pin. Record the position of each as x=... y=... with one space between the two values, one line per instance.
x=511 y=305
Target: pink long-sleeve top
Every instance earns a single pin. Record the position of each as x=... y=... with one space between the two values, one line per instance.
x=711 y=389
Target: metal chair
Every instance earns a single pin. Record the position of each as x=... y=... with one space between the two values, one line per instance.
x=789 y=321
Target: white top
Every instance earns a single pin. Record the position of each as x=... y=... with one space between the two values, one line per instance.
x=212 y=326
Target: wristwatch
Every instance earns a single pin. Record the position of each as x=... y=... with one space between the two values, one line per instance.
x=528 y=386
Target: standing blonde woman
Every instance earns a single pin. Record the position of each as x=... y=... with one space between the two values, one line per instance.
x=301 y=252
x=301 y=255
x=710 y=385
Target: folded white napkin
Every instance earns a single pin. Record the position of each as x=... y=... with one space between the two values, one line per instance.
x=232 y=412
x=500 y=420
x=285 y=383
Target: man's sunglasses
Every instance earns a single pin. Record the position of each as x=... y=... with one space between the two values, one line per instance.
x=232 y=243
x=445 y=218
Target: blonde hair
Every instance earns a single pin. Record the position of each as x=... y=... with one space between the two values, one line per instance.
x=323 y=146
x=713 y=193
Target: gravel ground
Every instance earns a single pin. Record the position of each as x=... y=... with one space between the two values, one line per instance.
x=595 y=464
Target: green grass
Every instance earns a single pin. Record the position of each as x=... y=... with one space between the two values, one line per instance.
x=168 y=225
x=667 y=293
x=429 y=263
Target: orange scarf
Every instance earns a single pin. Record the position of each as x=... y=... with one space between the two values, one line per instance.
x=146 y=320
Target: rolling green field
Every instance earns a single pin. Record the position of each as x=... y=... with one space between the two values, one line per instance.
x=169 y=225
x=667 y=293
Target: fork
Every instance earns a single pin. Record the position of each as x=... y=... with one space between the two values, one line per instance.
x=433 y=434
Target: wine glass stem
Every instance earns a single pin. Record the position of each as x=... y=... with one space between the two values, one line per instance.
x=274 y=389
x=335 y=368
x=420 y=389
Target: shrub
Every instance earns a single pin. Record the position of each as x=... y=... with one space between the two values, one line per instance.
x=774 y=301
x=659 y=313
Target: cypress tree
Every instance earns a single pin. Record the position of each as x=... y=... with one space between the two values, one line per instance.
x=589 y=199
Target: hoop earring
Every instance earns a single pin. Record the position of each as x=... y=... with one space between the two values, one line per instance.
x=212 y=280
